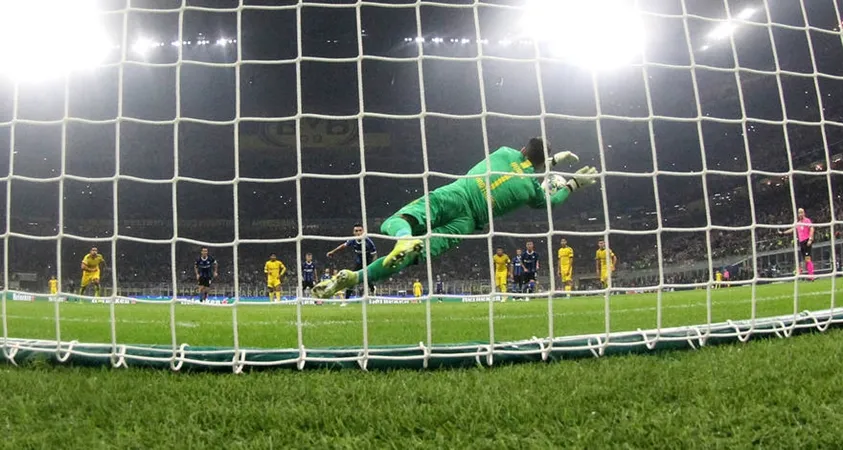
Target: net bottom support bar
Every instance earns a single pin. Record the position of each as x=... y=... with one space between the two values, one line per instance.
x=186 y=357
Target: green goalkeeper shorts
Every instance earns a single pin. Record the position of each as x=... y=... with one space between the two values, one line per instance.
x=449 y=214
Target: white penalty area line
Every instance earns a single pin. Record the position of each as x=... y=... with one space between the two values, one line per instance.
x=329 y=323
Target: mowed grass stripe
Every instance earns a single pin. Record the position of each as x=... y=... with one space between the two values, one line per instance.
x=275 y=325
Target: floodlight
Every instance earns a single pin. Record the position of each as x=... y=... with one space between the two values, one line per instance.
x=596 y=34
x=746 y=13
x=28 y=48
x=142 y=46
x=722 y=31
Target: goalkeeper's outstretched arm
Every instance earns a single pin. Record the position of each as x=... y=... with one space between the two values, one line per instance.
x=582 y=178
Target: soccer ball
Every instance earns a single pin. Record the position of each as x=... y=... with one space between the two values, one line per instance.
x=553 y=182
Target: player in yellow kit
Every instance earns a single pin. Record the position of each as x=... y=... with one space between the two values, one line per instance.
x=274 y=270
x=718 y=278
x=417 y=289
x=503 y=270
x=565 y=255
x=91 y=265
x=54 y=285
x=604 y=272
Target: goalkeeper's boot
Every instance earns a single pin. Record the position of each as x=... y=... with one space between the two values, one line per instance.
x=405 y=249
x=345 y=279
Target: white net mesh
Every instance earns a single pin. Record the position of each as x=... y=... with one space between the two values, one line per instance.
x=153 y=128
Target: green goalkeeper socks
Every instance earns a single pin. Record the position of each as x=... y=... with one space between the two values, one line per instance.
x=377 y=272
x=396 y=226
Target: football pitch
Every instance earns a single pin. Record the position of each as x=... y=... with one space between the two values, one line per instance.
x=263 y=325
x=769 y=393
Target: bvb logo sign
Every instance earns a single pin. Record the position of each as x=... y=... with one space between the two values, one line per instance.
x=315 y=133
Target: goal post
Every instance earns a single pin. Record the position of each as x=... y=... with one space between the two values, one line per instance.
x=588 y=75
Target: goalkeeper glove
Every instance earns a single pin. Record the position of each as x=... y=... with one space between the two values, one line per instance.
x=582 y=178
x=563 y=157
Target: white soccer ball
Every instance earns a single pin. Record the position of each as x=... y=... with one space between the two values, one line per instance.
x=553 y=182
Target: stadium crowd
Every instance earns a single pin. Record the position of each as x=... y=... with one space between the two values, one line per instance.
x=136 y=266
x=143 y=264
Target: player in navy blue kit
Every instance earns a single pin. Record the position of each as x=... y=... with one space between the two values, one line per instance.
x=518 y=271
x=206 y=269
x=440 y=286
x=530 y=261
x=358 y=246
x=308 y=273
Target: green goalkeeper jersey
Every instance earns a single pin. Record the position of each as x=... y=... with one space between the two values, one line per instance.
x=508 y=192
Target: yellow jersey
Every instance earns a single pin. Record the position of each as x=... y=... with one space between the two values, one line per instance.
x=93 y=262
x=600 y=256
x=718 y=276
x=54 y=286
x=565 y=256
x=274 y=269
x=501 y=263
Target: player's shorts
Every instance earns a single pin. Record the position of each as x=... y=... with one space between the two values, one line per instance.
x=567 y=273
x=417 y=293
x=805 y=249
x=500 y=280
x=272 y=283
x=528 y=277
x=90 y=277
x=307 y=284
x=518 y=278
x=449 y=214
x=53 y=291
x=604 y=275
x=204 y=281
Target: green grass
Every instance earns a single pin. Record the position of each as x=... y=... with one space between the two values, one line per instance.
x=262 y=325
x=773 y=393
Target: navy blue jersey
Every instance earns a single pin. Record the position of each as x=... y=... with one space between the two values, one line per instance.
x=530 y=261
x=308 y=271
x=326 y=276
x=206 y=266
x=517 y=265
x=357 y=246
x=440 y=287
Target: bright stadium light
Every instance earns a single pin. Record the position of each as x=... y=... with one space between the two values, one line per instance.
x=746 y=13
x=722 y=31
x=29 y=50
x=142 y=46
x=597 y=34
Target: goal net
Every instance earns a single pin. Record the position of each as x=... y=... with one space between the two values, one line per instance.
x=164 y=131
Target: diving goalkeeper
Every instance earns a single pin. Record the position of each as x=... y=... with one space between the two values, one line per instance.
x=460 y=208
